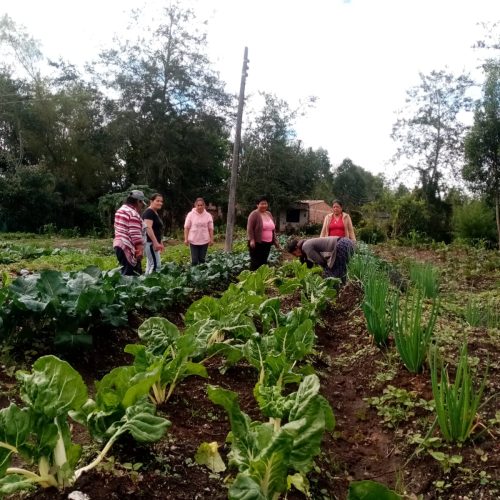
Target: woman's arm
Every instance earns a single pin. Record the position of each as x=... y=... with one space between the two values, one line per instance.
x=324 y=229
x=157 y=245
x=349 y=227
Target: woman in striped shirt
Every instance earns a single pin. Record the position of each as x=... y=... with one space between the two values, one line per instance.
x=130 y=234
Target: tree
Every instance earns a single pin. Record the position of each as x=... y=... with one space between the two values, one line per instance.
x=354 y=185
x=429 y=133
x=274 y=163
x=482 y=144
x=170 y=117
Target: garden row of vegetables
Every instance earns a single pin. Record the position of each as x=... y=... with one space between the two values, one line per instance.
x=245 y=323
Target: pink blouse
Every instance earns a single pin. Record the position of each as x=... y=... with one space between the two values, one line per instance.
x=267 y=230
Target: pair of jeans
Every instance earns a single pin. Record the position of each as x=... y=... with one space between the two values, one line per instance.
x=198 y=253
x=127 y=268
x=259 y=254
x=153 y=259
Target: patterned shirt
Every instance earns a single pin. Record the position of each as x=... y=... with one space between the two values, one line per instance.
x=129 y=231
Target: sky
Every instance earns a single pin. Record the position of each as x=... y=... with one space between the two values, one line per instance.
x=357 y=57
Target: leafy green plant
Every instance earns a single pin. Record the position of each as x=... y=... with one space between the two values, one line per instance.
x=263 y=452
x=397 y=405
x=482 y=313
x=425 y=277
x=456 y=403
x=40 y=433
x=361 y=265
x=376 y=303
x=165 y=358
x=411 y=334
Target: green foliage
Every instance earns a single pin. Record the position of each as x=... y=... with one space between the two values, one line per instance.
x=456 y=403
x=412 y=336
x=40 y=433
x=482 y=313
x=264 y=453
x=474 y=221
x=370 y=490
x=482 y=167
x=425 y=277
x=376 y=307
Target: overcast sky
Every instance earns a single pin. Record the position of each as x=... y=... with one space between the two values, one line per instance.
x=358 y=57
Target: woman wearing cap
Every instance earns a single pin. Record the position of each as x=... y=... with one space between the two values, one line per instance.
x=198 y=231
x=338 y=223
x=261 y=234
x=154 y=228
x=130 y=234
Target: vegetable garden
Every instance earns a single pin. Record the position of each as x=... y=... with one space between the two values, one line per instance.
x=215 y=382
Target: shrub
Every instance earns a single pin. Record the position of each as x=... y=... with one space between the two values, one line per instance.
x=474 y=221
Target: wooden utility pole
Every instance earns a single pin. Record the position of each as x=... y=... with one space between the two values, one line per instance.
x=231 y=206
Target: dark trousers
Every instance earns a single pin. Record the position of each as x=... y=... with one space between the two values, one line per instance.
x=127 y=268
x=259 y=254
x=198 y=253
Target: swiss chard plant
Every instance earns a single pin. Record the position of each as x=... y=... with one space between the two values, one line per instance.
x=165 y=358
x=266 y=454
x=40 y=433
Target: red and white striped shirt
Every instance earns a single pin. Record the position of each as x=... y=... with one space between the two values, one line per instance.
x=129 y=231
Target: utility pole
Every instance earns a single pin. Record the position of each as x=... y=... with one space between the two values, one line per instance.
x=231 y=206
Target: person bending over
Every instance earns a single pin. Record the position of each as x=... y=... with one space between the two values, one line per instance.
x=331 y=253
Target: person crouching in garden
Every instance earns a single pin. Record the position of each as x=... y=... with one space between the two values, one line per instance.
x=199 y=231
x=130 y=234
x=331 y=253
x=154 y=229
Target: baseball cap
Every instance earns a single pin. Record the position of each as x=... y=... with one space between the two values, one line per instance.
x=137 y=195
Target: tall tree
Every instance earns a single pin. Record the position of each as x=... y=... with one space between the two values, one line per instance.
x=482 y=144
x=429 y=132
x=170 y=114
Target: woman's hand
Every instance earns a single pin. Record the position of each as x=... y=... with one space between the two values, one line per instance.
x=158 y=247
x=252 y=243
x=186 y=242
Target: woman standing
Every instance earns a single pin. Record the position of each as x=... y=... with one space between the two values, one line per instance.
x=198 y=231
x=154 y=229
x=128 y=242
x=261 y=234
x=338 y=223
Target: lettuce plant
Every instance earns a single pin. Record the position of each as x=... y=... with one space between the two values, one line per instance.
x=40 y=432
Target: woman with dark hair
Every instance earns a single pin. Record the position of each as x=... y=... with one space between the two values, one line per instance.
x=338 y=223
x=261 y=234
x=130 y=234
x=198 y=231
x=154 y=229
x=331 y=253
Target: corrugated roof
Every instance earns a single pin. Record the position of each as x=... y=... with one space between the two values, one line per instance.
x=312 y=202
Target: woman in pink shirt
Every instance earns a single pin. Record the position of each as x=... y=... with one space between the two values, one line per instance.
x=261 y=234
x=198 y=231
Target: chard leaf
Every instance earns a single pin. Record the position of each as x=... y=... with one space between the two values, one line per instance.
x=208 y=454
x=370 y=490
x=11 y=483
x=141 y=422
x=158 y=334
x=15 y=425
x=315 y=415
x=53 y=388
x=205 y=308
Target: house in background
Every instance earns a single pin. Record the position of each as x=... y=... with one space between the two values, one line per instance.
x=301 y=213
